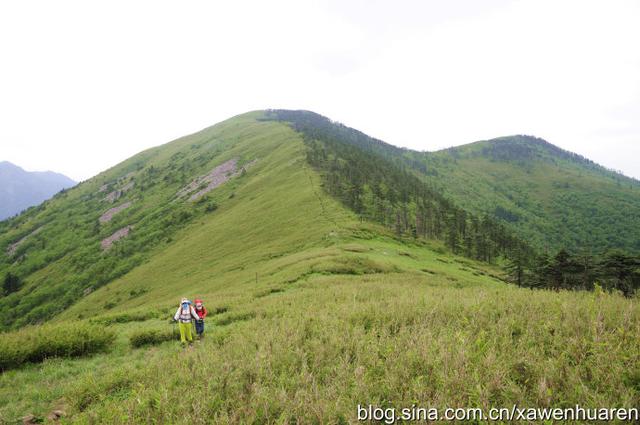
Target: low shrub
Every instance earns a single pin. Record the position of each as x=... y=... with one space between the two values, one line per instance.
x=34 y=344
x=152 y=337
x=267 y=292
x=352 y=266
x=219 y=310
x=237 y=317
x=134 y=316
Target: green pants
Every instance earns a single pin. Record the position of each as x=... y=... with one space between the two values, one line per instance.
x=185 y=332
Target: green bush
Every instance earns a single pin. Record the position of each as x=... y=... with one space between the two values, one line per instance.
x=135 y=316
x=36 y=343
x=151 y=337
x=237 y=317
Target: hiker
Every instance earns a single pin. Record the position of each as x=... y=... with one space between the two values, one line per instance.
x=183 y=316
x=201 y=311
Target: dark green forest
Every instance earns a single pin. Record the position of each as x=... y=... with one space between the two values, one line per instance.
x=614 y=270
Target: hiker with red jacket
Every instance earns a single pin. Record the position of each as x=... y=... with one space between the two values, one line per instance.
x=201 y=311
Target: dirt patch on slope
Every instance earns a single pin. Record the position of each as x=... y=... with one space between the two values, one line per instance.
x=11 y=249
x=219 y=175
x=108 y=215
x=116 y=194
x=119 y=234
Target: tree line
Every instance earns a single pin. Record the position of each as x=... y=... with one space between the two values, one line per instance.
x=613 y=270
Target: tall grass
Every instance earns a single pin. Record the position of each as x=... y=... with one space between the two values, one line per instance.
x=36 y=343
x=311 y=356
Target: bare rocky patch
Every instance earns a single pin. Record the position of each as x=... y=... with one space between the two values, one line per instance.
x=116 y=194
x=219 y=175
x=119 y=234
x=11 y=249
x=108 y=215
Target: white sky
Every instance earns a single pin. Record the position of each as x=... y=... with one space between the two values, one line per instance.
x=86 y=84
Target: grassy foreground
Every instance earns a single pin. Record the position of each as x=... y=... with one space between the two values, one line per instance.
x=312 y=352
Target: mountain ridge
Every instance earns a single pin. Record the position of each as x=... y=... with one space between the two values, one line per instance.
x=547 y=195
x=21 y=189
x=508 y=140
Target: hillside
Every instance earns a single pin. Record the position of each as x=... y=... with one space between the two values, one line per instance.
x=118 y=223
x=150 y=205
x=547 y=196
x=550 y=196
x=321 y=296
x=20 y=189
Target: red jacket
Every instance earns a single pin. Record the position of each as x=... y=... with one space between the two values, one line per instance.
x=201 y=313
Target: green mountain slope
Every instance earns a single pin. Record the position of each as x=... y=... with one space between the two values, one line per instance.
x=550 y=196
x=314 y=309
x=252 y=174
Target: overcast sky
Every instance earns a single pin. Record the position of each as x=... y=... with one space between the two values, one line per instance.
x=86 y=84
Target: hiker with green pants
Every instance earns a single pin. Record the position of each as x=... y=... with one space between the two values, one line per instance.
x=183 y=316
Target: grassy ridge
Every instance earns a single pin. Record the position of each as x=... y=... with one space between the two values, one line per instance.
x=277 y=212
x=64 y=262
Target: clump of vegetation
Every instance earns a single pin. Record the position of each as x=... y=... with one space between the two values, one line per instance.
x=10 y=284
x=235 y=317
x=93 y=389
x=267 y=292
x=130 y=316
x=219 y=310
x=37 y=343
x=353 y=265
x=152 y=337
x=134 y=293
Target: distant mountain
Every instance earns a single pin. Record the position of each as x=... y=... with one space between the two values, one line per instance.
x=20 y=189
x=551 y=197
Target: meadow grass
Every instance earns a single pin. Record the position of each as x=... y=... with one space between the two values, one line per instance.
x=311 y=353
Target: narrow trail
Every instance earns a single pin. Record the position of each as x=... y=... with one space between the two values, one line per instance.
x=323 y=209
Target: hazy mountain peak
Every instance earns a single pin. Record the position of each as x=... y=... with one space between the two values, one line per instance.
x=20 y=189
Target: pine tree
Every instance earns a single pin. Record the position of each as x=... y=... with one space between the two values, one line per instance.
x=11 y=283
x=516 y=268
